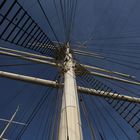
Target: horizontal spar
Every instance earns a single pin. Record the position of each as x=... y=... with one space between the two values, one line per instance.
x=5 y=120
x=108 y=95
x=96 y=56
x=27 y=58
x=91 y=54
x=27 y=54
x=115 y=78
x=85 y=52
x=107 y=71
x=54 y=84
x=29 y=79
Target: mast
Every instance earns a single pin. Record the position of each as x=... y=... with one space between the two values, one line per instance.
x=70 y=121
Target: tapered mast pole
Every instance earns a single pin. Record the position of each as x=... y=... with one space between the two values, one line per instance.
x=70 y=121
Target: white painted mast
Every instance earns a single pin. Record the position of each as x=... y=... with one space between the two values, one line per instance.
x=70 y=121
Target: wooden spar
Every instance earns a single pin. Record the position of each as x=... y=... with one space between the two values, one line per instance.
x=54 y=84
